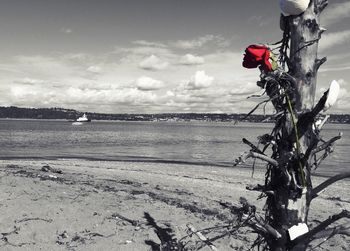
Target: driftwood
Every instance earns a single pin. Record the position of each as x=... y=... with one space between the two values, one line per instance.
x=256 y=155
x=132 y=222
x=326 y=144
x=330 y=232
x=193 y=230
x=317 y=190
x=295 y=140
x=31 y=219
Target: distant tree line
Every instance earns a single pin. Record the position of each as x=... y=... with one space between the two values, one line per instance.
x=70 y=115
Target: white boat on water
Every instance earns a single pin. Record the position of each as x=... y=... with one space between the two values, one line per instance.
x=81 y=120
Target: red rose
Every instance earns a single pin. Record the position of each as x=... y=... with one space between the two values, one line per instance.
x=256 y=55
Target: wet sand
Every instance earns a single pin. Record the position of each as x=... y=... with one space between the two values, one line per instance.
x=104 y=205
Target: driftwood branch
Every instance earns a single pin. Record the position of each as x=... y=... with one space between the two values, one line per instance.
x=31 y=219
x=256 y=155
x=309 y=236
x=322 y=29
x=132 y=222
x=258 y=187
x=261 y=227
x=264 y=157
x=256 y=149
x=268 y=227
x=326 y=144
x=329 y=233
x=193 y=230
x=321 y=61
x=255 y=221
x=343 y=229
x=321 y=5
x=316 y=191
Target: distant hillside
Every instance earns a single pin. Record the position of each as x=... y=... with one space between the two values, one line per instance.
x=33 y=113
x=70 y=114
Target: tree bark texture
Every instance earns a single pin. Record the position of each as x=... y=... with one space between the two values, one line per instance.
x=291 y=180
x=305 y=33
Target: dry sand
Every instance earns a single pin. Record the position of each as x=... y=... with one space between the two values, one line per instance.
x=97 y=205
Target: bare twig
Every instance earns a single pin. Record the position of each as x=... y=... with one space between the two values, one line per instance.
x=319 y=62
x=315 y=192
x=256 y=155
x=30 y=219
x=322 y=29
x=321 y=5
x=329 y=233
x=326 y=144
x=256 y=149
x=193 y=230
x=343 y=229
x=268 y=227
x=264 y=157
x=132 y=222
x=258 y=187
x=255 y=221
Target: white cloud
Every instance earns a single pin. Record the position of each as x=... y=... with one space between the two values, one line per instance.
x=64 y=81
x=30 y=81
x=94 y=69
x=200 y=42
x=143 y=51
x=244 y=89
x=200 y=80
x=124 y=95
x=170 y=94
x=78 y=57
x=333 y=39
x=149 y=43
x=148 y=84
x=74 y=97
x=153 y=63
x=335 y=13
x=190 y=59
x=210 y=99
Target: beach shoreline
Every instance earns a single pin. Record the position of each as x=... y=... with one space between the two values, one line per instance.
x=102 y=205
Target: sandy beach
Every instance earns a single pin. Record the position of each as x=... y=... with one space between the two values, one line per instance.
x=101 y=205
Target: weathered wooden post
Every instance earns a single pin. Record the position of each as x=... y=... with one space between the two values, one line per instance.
x=295 y=138
x=290 y=207
x=305 y=31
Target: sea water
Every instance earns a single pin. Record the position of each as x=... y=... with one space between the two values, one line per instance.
x=202 y=143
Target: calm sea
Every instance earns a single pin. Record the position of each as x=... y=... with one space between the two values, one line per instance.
x=205 y=143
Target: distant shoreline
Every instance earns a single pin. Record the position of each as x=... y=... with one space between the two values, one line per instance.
x=13 y=112
x=159 y=121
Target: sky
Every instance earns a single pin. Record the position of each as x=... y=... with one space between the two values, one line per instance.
x=150 y=56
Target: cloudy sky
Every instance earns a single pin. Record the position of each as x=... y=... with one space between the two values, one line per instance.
x=149 y=56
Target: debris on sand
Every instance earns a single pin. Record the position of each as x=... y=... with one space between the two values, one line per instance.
x=47 y=168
